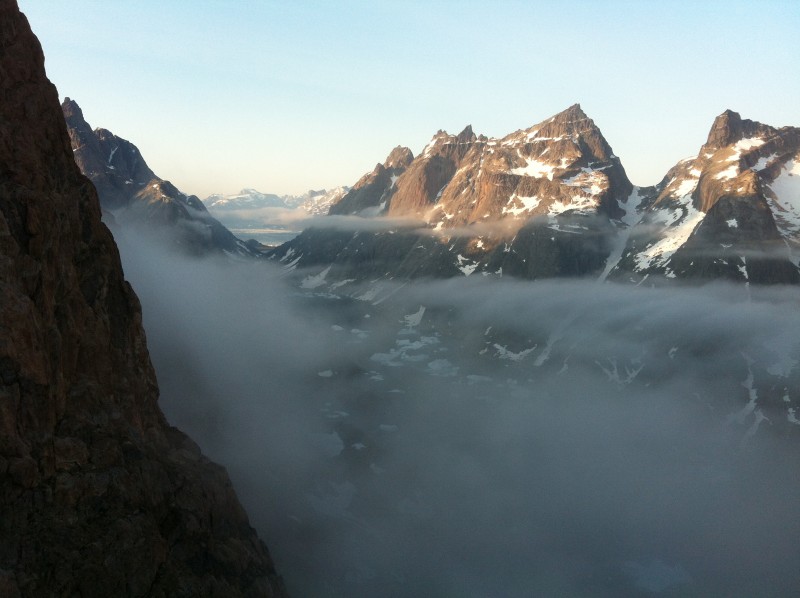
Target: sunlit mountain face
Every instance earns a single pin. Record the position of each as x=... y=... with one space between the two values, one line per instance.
x=554 y=201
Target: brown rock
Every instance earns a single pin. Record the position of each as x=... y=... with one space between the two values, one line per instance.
x=98 y=496
x=372 y=191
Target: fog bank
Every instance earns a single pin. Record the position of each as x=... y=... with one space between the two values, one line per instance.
x=477 y=437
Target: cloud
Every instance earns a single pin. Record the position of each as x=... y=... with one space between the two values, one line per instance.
x=392 y=450
x=299 y=219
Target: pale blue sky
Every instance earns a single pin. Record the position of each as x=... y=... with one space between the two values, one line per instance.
x=289 y=96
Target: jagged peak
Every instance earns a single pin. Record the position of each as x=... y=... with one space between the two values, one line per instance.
x=726 y=129
x=72 y=111
x=466 y=135
x=442 y=137
x=729 y=127
x=573 y=120
x=399 y=157
x=574 y=112
x=572 y=123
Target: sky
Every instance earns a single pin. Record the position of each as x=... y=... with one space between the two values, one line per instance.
x=285 y=97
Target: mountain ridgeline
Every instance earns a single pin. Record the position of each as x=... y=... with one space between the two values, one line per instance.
x=135 y=196
x=554 y=201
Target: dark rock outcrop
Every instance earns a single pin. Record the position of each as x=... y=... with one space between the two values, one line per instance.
x=100 y=495
x=737 y=240
x=114 y=165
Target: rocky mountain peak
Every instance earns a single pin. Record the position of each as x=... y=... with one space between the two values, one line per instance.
x=574 y=112
x=71 y=109
x=399 y=157
x=114 y=165
x=729 y=127
x=372 y=191
x=466 y=136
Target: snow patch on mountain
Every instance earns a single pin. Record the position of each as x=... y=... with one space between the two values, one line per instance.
x=518 y=204
x=534 y=168
x=465 y=266
x=746 y=144
x=785 y=198
x=578 y=203
x=763 y=162
x=631 y=207
x=413 y=320
x=679 y=222
x=312 y=282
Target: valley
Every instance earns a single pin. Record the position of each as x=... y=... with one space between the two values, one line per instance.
x=476 y=436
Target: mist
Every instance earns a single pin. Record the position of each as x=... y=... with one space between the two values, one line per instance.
x=299 y=219
x=483 y=437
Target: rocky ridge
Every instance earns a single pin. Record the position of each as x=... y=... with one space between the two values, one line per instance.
x=369 y=195
x=134 y=195
x=540 y=202
x=732 y=211
x=553 y=200
x=101 y=496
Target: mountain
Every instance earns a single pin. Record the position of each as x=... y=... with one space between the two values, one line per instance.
x=129 y=189
x=370 y=193
x=553 y=200
x=541 y=202
x=246 y=199
x=268 y=219
x=317 y=202
x=732 y=211
x=100 y=495
x=312 y=202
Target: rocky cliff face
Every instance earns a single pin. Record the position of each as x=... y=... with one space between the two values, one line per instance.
x=136 y=196
x=101 y=496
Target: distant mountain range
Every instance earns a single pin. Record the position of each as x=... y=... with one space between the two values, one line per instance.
x=553 y=200
x=268 y=218
x=311 y=202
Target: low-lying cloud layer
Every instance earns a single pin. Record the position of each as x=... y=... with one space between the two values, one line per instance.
x=489 y=438
x=298 y=219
